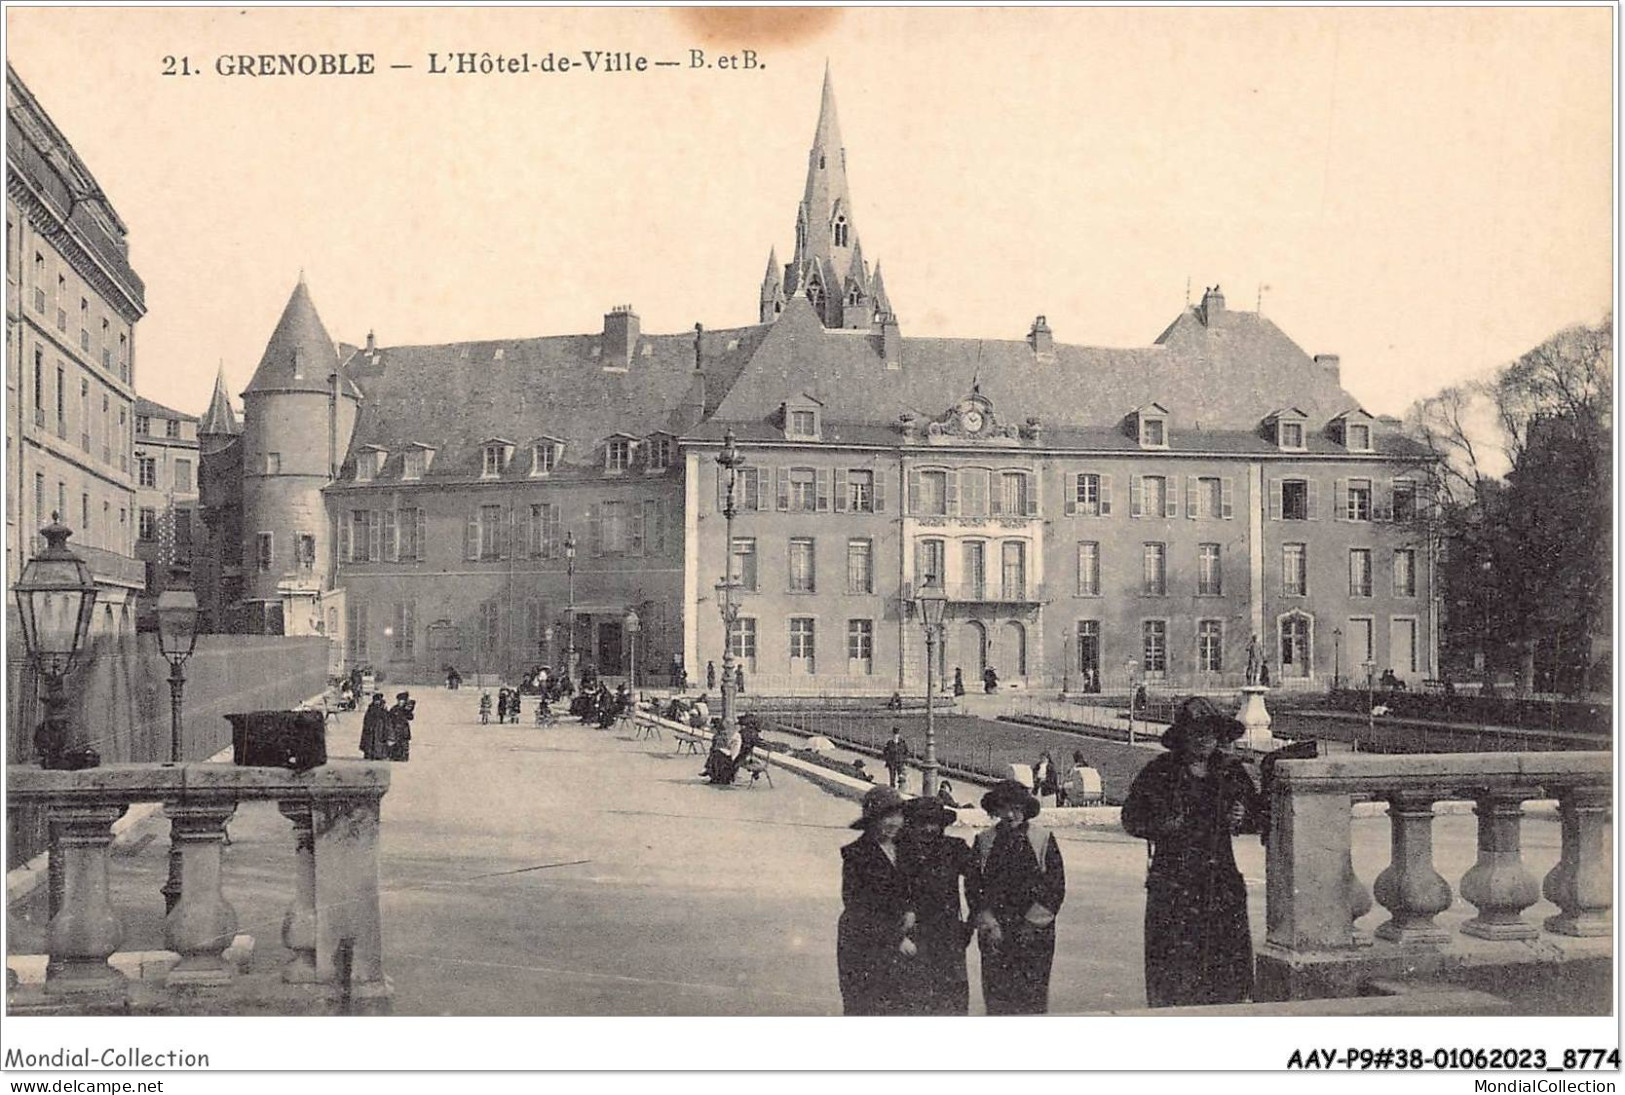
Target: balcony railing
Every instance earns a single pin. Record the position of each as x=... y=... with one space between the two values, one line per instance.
x=1314 y=900
x=332 y=924
x=991 y=591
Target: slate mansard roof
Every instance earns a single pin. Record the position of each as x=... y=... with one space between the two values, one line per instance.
x=453 y=398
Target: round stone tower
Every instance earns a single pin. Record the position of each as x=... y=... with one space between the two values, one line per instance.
x=298 y=412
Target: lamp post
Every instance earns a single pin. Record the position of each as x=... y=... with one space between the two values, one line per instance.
x=729 y=460
x=546 y=652
x=570 y=611
x=56 y=598
x=1337 y=659
x=1132 y=666
x=1370 y=668
x=933 y=600
x=631 y=624
x=177 y=638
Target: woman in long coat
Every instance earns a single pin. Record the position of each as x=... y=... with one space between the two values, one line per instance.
x=935 y=864
x=874 y=954
x=375 y=729
x=1188 y=802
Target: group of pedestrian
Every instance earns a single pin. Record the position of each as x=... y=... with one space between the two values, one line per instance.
x=730 y=751
x=913 y=896
x=386 y=732
x=902 y=937
x=711 y=678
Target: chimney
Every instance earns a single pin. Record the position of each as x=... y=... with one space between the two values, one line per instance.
x=891 y=339
x=692 y=408
x=621 y=330
x=1212 y=306
x=1042 y=339
x=372 y=344
x=1333 y=366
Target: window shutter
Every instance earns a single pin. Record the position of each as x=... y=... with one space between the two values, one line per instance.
x=1192 y=486
x=344 y=539
x=840 y=490
x=1382 y=501
x=531 y=544
x=951 y=492
x=763 y=487
x=657 y=533
x=1072 y=495
x=505 y=520
x=1340 y=500
x=1275 y=499
x=822 y=478
x=1105 y=495
x=1314 y=500
x=1170 y=497
x=722 y=488
x=1136 y=496
x=638 y=528
x=375 y=530
x=913 y=492
x=783 y=493
x=880 y=492
x=595 y=518
x=471 y=536
x=1032 y=495
x=1227 y=498
x=392 y=541
x=422 y=530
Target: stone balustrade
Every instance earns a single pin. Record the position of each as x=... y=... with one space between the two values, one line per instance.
x=333 y=914
x=1314 y=899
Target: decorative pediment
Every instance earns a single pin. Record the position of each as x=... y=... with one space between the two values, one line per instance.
x=971 y=420
x=1353 y=429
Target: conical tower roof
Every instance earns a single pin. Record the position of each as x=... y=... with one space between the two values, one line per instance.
x=300 y=355
x=219 y=418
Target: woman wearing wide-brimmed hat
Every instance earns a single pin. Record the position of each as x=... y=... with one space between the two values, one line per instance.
x=1188 y=803
x=875 y=953
x=1015 y=887
x=935 y=863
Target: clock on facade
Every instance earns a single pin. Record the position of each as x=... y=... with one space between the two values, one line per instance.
x=971 y=419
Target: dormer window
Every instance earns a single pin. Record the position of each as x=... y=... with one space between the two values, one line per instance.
x=1291 y=435
x=801 y=418
x=804 y=423
x=815 y=293
x=1352 y=429
x=544 y=457
x=1359 y=438
x=368 y=463
x=1153 y=433
x=1286 y=428
x=618 y=455
x=658 y=453
x=415 y=464
x=495 y=461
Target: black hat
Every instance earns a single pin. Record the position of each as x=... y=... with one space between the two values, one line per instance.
x=1007 y=792
x=1200 y=715
x=403 y=695
x=877 y=803
x=928 y=811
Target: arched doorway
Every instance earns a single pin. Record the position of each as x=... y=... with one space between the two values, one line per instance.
x=971 y=655
x=1012 y=652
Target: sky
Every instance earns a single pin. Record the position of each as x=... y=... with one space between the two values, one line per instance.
x=1427 y=193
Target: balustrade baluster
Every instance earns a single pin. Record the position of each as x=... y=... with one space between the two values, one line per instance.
x=202 y=923
x=85 y=930
x=1409 y=888
x=1499 y=884
x=1582 y=882
x=299 y=923
x=1358 y=894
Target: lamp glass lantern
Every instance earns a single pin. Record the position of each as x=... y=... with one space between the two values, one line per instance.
x=56 y=599
x=933 y=602
x=177 y=623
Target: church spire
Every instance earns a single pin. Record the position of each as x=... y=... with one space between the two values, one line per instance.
x=826 y=227
x=219 y=418
x=771 y=300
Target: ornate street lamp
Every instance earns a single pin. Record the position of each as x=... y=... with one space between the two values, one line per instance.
x=1337 y=658
x=177 y=638
x=631 y=624
x=1370 y=668
x=56 y=598
x=1133 y=693
x=933 y=601
x=730 y=460
x=570 y=612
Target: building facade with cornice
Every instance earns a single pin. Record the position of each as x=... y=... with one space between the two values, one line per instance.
x=73 y=300
x=1097 y=516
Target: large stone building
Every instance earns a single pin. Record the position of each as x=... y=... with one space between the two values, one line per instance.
x=167 y=524
x=73 y=301
x=1098 y=516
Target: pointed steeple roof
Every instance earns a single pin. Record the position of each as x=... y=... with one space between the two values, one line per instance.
x=773 y=277
x=826 y=228
x=219 y=419
x=858 y=272
x=300 y=354
x=828 y=134
x=877 y=290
